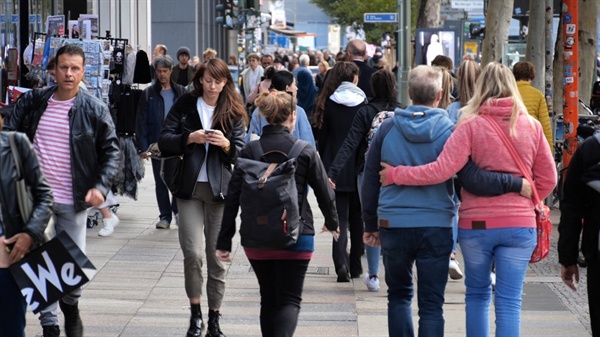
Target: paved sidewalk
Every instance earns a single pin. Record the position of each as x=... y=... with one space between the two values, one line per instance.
x=139 y=289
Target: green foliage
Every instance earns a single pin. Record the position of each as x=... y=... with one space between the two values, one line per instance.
x=346 y=12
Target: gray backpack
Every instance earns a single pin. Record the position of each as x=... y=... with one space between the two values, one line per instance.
x=269 y=200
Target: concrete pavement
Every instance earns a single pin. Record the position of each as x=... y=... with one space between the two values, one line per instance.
x=139 y=289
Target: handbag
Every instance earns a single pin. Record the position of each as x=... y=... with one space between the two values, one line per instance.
x=24 y=196
x=48 y=273
x=171 y=167
x=542 y=212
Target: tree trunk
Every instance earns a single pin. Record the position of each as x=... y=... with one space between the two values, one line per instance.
x=535 y=44
x=499 y=14
x=558 y=71
x=429 y=14
x=588 y=40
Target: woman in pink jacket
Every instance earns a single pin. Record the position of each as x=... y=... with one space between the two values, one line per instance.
x=500 y=229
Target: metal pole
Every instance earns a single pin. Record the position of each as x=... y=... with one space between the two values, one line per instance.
x=404 y=50
x=570 y=29
x=23 y=36
x=549 y=56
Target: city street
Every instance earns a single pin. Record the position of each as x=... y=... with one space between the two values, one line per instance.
x=139 y=289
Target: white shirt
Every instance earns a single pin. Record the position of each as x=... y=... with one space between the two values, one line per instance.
x=205 y=112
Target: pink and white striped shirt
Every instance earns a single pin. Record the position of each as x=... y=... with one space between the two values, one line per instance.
x=52 y=146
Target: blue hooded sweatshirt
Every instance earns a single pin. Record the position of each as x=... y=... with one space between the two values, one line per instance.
x=413 y=137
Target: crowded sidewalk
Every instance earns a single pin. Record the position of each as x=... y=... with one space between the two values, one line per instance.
x=139 y=288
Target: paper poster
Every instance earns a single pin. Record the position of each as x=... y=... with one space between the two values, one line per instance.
x=94 y=24
x=85 y=30
x=73 y=29
x=55 y=26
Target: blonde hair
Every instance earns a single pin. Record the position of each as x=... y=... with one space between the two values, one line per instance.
x=276 y=106
x=496 y=81
x=468 y=73
x=325 y=64
x=447 y=85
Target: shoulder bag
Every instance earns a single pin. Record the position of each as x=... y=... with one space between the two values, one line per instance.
x=24 y=196
x=542 y=219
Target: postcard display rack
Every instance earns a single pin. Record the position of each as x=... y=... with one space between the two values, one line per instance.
x=97 y=63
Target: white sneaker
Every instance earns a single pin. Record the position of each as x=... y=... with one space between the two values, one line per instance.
x=109 y=225
x=454 y=270
x=493 y=276
x=371 y=281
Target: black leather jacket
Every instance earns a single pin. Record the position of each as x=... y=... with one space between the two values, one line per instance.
x=94 y=144
x=40 y=190
x=173 y=141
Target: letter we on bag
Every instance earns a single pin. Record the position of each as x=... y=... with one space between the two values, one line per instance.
x=52 y=271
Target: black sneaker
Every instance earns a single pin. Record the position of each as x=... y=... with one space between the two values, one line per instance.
x=73 y=324
x=51 y=331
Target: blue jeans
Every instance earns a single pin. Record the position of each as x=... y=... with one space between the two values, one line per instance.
x=66 y=220
x=12 y=306
x=166 y=206
x=372 y=253
x=510 y=250
x=429 y=247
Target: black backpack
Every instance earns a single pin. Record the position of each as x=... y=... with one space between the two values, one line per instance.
x=269 y=200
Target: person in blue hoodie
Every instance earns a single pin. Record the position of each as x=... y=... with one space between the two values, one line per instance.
x=413 y=224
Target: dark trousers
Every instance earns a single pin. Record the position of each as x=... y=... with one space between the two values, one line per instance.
x=12 y=306
x=350 y=220
x=429 y=248
x=167 y=206
x=281 y=283
x=593 y=280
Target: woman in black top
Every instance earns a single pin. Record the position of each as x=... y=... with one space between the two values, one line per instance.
x=20 y=236
x=281 y=272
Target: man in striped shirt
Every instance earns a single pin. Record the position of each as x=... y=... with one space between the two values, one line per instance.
x=74 y=138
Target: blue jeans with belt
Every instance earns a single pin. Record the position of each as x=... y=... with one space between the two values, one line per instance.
x=429 y=248
x=510 y=250
x=12 y=306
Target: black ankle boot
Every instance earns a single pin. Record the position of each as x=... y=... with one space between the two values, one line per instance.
x=195 y=329
x=214 y=330
x=73 y=325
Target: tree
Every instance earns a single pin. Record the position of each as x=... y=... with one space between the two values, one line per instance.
x=348 y=12
x=429 y=14
x=499 y=14
x=535 y=44
x=588 y=40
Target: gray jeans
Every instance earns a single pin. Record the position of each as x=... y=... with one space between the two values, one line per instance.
x=66 y=220
x=197 y=216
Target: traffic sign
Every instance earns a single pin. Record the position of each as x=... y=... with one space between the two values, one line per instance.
x=380 y=17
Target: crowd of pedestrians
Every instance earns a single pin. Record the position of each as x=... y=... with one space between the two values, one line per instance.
x=405 y=184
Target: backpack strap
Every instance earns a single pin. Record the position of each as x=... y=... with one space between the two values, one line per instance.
x=297 y=148
x=256 y=148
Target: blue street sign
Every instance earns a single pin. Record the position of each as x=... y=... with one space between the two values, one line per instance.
x=39 y=18
x=32 y=18
x=15 y=18
x=380 y=17
x=2 y=18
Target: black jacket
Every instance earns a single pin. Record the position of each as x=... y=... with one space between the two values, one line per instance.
x=364 y=78
x=356 y=141
x=310 y=171
x=151 y=114
x=40 y=190
x=579 y=202
x=173 y=141
x=94 y=144
x=337 y=120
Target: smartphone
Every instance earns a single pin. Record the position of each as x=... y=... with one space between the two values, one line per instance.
x=208 y=131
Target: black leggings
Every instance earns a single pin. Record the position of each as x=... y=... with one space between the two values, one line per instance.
x=349 y=214
x=281 y=283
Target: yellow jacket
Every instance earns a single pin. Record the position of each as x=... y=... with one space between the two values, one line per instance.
x=535 y=102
